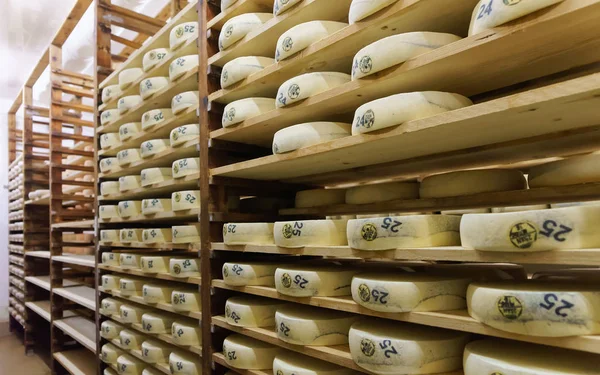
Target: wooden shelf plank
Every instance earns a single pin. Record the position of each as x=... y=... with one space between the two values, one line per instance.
x=80 y=260
x=81 y=329
x=42 y=308
x=155 y=190
x=74 y=225
x=151 y=247
x=83 y=295
x=162 y=276
x=240 y=7
x=163 y=216
x=77 y=361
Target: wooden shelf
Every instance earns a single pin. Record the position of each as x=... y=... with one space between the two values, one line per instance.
x=83 y=295
x=80 y=260
x=77 y=361
x=38 y=254
x=159 y=217
x=42 y=308
x=75 y=225
x=240 y=7
x=155 y=190
x=220 y=359
x=150 y=247
x=162 y=276
x=81 y=329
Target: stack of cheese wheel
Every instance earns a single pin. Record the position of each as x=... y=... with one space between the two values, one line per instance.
x=471 y=182
x=306 y=325
x=310 y=233
x=240 y=68
x=131 y=235
x=388 y=347
x=247 y=353
x=155 y=117
x=157 y=235
x=156 y=323
x=290 y=363
x=186 y=333
x=382 y=192
x=186 y=233
x=185 y=167
x=244 y=109
x=184 y=364
x=314 y=281
x=154 y=57
x=361 y=9
x=128 y=76
x=153 y=176
x=248 y=234
x=184 y=267
x=157 y=293
x=249 y=273
x=132 y=314
x=181 y=33
x=155 y=206
x=184 y=100
x=183 y=134
x=301 y=36
x=109 y=235
x=185 y=300
x=320 y=197
x=251 y=311
x=181 y=66
x=307 y=85
x=130 y=208
x=238 y=27
x=154 y=264
x=155 y=351
x=129 y=130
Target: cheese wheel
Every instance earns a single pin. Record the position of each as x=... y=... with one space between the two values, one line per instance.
x=155 y=205
x=151 y=86
x=320 y=197
x=109 y=188
x=130 y=261
x=130 y=208
x=306 y=85
x=151 y=371
x=126 y=157
x=181 y=267
x=127 y=183
x=183 y=134
x=536 y=308
x=251 y=311
x=155 y=117
x=154 y=57
x=185 y=300
x=471 y=182
x=246 y=353
x=386 y=347
x=530 y=231
x=111 y=259
x=131 y=286
x=111 y=282
x=110 y=353
x=185 y=200
x=249 y=273
x=226 y=4
x=361 y=9
x=109 y=140
x=393 y=232
x=244 y=109
x=532 y=207
x=400 y=108
x=128 y=76
x=382 y=192
x=132 y=314
x=489 y=14
x=110 y=92
x=310 y=233
x=290 y=363
x=154 y=264
x=464 y=212
x=127 y=102
x=236 y=28
x=155 y=352
x=110 y=306
x=155 y=323
x=109 y=116
x=186 y=334
x=240 y=68
x=110 y=330
x=127 y=131
x=182 y=33
x=153 y=176
x=314 y=281
x=184 y=100
x=186 y=233
x=110 y=371
x=182 y=364
x=157 y=235
x=308 y=134
x=306 y=325
x=182 y=65
x=109 y=212
x=303 y=35
x=248 y=233
x=516 y=358
x=156 y=293
x=130 y=340
x=396 y=49
x=129 y=365
x=571 y=171
x=282 y=6
x=406 y=292
x=108 y=164
x=186 y=167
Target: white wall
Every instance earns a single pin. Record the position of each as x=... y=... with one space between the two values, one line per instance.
x=4 y=211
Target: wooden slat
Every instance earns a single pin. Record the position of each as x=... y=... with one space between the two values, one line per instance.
x=132 y=20
x=75 y=106
x=72 y=20
x=73 y=90
x=125 y=42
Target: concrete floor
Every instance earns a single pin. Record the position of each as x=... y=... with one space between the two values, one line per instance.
x=14 y=361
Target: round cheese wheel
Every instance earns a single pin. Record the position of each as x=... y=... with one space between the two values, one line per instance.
x=186 y=167
x=132 y=314
x=246 y=353
x=182 y=364
x=244 y=109
x=154 y=57
x=536 y=308
x=110 y=92
x=110 y=353
x=530 y=231
x=240 y=68
x=110 y=330
x=251 y=311
x=185 y=200
x=181 y=267
x=186 y=233
x=109 y=212
x=185 y=300
x=151 y=86
x=186 y=334
x=400 y=108
x=308 y=134
x=157 y=235
x=182 y=65
x=109 y=371
x=226 y=4
x=108 y=164
x=109 y=188
x=155 y=351
x=111 y=259
x=393 y=232
x=314 y=281
x=182 y=33
x=406 y=292
x=127 y=131
x=127 y=102
x=110 y=306
x=471 y=182
x=156 y=293
x=282 y=6
x=127 y=183
x=310 y=233
x=382 y=192
x=111 y=282
x=130 y=340
x=236 y=28
x=248 y=234
x=109 y=116
x=155 y=323
x=109 y=140
x=130 y=208
x=126 y=157
x=131 y=286
x=129 y=365
x=154 y=264
x=306 y=85
x=250 y=273
x=320 y=197
x=306 y=325
x=386 y=347
x=532 y=207
x=130 y=235
x=361 y=9
x=571 y=171
x=155 y=205
x=505 y=357
x=183 y=134
x=155 y=117
x=290 y=363
x=128 y=76
x=303 y=35
x=396 y=49
x=153 y=176
x=130 y=261
x=489 y=14
x=151 y=371
x=184 y=100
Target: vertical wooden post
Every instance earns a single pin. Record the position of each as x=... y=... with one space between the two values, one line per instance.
x=177 y=6
x=12 y=133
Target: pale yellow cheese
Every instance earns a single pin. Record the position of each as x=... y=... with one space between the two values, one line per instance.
x=248 y=233
x=246 y=353
x=154 y=57
x=109 y=116
x=129 y=260
x=290 y=363
x=129 y=365
x=532 y=207
x=130 y=340
x=155 y=205
x=183 y=134
x=110 y=371
x=571 y=171
x=186 y=233
x=154 y=264
x=110 y=92
x=320 y=197
x=182 y=33
x=111 y=282
x=127 y=183
x=314 y=281
x=361 y=9
x=389 y=191
x=110 y=306
x=127 y=102
x=109 y=212
x=128 y=76
x=282 y=6
x=152 y=85
x=236 y=28
x=185 y=300
x=308 y=85
x=240 y=68
x=155 y=323
x=184 y=267
x=157 y=235
x=249 y=273
x=182 y=65
x=244 y=109
x=130 y=208
x=131 y=286
x=155 y=351
x=185 y=200
x=310 y=233
x=226 y=4
x=126 y=157
x=110 y=353
x=186 y=334
x=184 y=100
x=307 y=325
x=131 y=129
x=132 y=314
x=185 y=167
x=184 y=364
x=155 y=293
x=109 y=140
x=251 y=311
x=155 y=117
x=109 y=187
x=153 y=176
x=303 y=35
x=471 y=182
x=110 y=330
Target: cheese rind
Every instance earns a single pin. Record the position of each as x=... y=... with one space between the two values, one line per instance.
x=571 y=171
x=185 y=300
x=157 y=235
x=306 y=85
x=155 y=323
x=110 y=92
x=184 y=100
x=132 y=314
x=131 y=286
x=182 y=65
x=154 y=147
x=361 y=9
x=154 y=57
x=110 y=330
x=310 y=233
x=155 y=205
x=129 y=261
x=240 y=68
x=290 y=363
x=155 y=352
x=110 y=306
x=153 y=176
x=183 y=134
x=314 y=281
x=152 y=85
x=320 y=197
x=186 y=334
x=155 y=117
x=303 y=35
x=129 y=235
x=111 y=259
x=251 y=311
x=127 y=102
x=126 y=157
x=154 y=264
x=128 y=76
x=127 y=183
x=110 y=353
x=129 y=365
x=244 y=109
x=308 y=134
x=182 y=33
x=282 y=6
x=181 y=267
x=226 y=4
x=127 y=131
x=110 y=282
x=248 y=233
x=154 y=293
x=365 y=194
x=249 y=273
x=185 y=167
x=246 y=353
x=471 y=182
x=236 y=28
x=109 y=116
x=109 y=188
x=400 y=108
x=130 y=340
x=109 y=212
x=185 y=200
x=109 y=140
x=130 y=208
x=181 y=364
x=186 y=233
x=107 y=165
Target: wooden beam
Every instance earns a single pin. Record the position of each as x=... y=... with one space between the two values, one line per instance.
x=72 y=20
x=118 y=58
x=17 y=103
x=133 y=21
x=163 y=15
x=125 y=42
